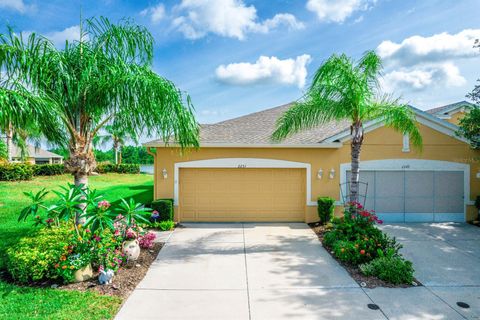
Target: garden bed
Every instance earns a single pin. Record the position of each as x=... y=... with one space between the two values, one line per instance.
x=354 y=271
x=126 y=278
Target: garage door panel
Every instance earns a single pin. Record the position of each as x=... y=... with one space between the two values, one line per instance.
x=244 y=194
x=415 y=196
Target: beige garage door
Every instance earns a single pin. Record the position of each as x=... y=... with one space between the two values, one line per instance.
x=242 y=194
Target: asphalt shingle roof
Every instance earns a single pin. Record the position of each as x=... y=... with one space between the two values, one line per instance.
x=257 y=128
x=34 y=152
x=443 y=109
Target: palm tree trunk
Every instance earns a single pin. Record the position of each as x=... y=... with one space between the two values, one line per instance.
x=116 y=155
x=120 y=155
x=8 y=141
x=356 y=145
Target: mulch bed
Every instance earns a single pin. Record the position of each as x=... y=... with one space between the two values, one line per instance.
x=354 y=271
x=125 y=279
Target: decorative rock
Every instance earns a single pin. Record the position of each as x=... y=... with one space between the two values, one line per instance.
x=138 y=265
x=54 y=286
x=363 y=284
x=84 y=274
x=414 y=284
x=115 y=287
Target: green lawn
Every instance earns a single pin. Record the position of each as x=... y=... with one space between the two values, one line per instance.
x=33 y=303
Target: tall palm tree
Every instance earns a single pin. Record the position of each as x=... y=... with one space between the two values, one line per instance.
x=344 y=89
x=117 y=138
x=106 y=77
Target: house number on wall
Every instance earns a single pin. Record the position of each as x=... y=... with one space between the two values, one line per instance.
x=406 y=166
x=242 y=166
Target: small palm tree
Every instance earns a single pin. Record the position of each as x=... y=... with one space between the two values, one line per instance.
x=343 y=89
x=117 y=138
x=104 y=78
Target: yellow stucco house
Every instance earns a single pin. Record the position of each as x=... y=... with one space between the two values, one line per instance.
x=239 y=175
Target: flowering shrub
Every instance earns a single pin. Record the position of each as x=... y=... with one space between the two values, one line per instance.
x=146 y=240
x=354 y=238
x=63 y=247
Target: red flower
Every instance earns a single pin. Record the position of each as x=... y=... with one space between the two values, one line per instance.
x=362 y=251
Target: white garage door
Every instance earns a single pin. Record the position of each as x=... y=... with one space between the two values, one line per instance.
x=415 y=196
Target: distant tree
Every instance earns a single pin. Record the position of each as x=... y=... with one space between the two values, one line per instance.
x=475 y=94
x=117 y=137
x=470 y=127
x=3 y=151
x=344 y=89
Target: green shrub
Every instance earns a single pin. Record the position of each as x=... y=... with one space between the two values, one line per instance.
x=118 y=168
x=34 y=258
x=477 y=202
x=354 y=239
x=164 y=225
x=48 y=169
x=393 y=269
x=326 y=208
x=164 y=207
x=16 y=171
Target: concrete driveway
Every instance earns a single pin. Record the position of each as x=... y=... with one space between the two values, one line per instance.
x=281 y=271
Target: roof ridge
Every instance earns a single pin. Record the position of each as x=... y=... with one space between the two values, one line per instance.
x=253 y=113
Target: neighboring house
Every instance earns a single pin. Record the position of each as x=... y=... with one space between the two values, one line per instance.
x=239 y=175
x=454 y=112
x=36 y=156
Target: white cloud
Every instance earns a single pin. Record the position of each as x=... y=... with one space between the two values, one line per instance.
x=156 y=13
x=337 y=10
x=59 y=37
x=16 y=5
x=447 y=75
x=418 y=63
x=439 y=47
x=266 y=70
x=228 y=18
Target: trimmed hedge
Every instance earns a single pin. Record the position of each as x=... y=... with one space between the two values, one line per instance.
x=16 y=171
x=326 y=208
x=25 y=171
x=48 y=169
x=118 y=168
x=164 y=207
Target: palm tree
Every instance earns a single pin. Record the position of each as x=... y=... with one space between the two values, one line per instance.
x=343 y=89
x=106 y=77
x=117 y=138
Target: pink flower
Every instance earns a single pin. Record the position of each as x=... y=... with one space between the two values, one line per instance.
x=103 y=205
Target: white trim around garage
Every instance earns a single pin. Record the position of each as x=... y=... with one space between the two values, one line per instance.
x=412 y=165
x=241 y=163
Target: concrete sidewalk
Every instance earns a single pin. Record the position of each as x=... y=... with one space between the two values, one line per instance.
x=272 y=271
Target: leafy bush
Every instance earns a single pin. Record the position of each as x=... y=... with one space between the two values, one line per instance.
x=326 y=208
x=16 y=171
x=162 y=210
x=163 y=225
x=354 y=238
x=393 y=269
x=34 y=258
x=118 y=168
x=48 y=169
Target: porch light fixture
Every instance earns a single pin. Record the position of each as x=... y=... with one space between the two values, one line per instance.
x=164 y=173
x=320 y=174
x=331 y=175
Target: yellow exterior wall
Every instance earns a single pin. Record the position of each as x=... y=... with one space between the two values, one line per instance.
x=382 y=143
x=456 y=117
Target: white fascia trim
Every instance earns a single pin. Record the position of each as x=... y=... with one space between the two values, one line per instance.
x=334 y=145
x=411 y=165
x=241 y=163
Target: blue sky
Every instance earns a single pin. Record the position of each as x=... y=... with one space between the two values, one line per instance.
x=238 y=56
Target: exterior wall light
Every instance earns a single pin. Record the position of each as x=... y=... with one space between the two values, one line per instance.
x=331 y=175
x=164 y=173
x=320 y=174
